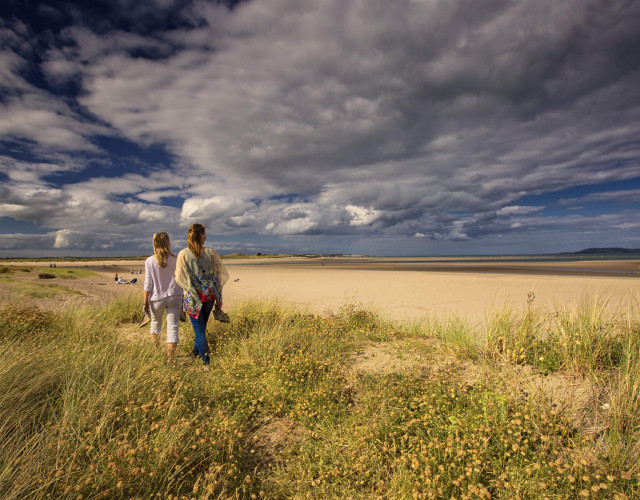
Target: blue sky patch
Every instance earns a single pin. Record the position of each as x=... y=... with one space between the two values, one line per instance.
x=9 y=225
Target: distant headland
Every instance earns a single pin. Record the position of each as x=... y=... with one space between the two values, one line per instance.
x=604 y=250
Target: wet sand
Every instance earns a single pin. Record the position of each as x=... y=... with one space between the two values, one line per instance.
x=399 y=288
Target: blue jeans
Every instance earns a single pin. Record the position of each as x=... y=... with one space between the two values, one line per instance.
x=200 y=344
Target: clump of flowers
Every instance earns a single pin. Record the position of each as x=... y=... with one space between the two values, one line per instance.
x=443 y=439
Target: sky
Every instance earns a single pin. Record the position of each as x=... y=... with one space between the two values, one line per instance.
x=412 y=127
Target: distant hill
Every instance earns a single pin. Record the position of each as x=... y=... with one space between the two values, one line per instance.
x=606 y=250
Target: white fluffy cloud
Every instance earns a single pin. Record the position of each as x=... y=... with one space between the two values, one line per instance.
x=295 y=226
x=361 y=216
x=518 y=210
x=216 y=207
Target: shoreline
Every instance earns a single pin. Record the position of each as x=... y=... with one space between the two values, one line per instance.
x=519 y=265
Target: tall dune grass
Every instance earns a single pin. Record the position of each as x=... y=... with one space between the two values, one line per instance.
x=86 y=411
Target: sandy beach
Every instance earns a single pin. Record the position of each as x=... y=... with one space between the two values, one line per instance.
x=398 y=288
x=411 y=291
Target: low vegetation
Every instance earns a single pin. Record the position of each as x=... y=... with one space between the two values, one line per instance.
x=90 y=409
x=58 y=260
x=49 y=272
x=27 y=291
x=17 y=282
x=259 y=255
x=12 y=269
x=68 y=273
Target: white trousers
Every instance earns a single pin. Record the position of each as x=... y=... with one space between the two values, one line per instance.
x=172 y=305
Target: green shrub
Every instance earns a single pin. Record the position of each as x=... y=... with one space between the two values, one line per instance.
x=46 y=276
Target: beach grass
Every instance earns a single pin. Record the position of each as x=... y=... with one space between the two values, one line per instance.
x=89 y=408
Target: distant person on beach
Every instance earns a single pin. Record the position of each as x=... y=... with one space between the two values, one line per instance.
x=161 y=293
x=201 y=275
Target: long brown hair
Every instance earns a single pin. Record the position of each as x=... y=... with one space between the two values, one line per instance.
x=195 y=235
x=162 y=248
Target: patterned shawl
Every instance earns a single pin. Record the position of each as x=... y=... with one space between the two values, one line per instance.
x=206 y=275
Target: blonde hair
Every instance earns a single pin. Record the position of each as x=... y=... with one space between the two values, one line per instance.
x=162 y=248
x=194 y=238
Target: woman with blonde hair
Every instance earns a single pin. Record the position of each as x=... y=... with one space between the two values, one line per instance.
x=161 y=292
x=201 y=275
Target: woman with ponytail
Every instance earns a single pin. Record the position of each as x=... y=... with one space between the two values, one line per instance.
x=161 y=293
x=201 y=275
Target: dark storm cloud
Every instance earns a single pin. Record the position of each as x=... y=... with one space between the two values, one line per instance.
x=18 y=243
x=423 y=86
